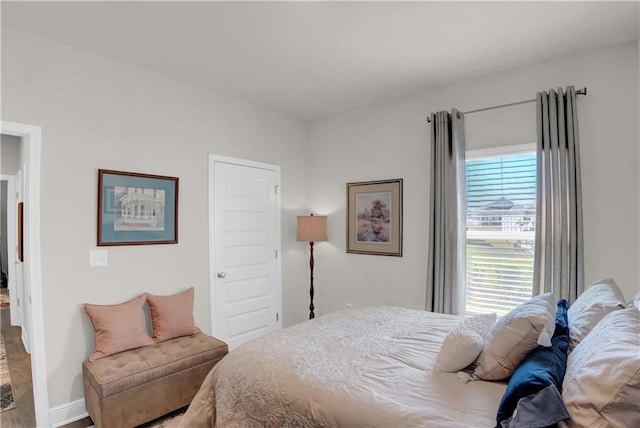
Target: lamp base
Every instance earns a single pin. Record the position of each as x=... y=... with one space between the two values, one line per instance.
x=311 y=307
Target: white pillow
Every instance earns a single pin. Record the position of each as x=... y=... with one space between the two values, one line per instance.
x=515 y=335
x=597 y=301
x=463 y=344
x=601 y=387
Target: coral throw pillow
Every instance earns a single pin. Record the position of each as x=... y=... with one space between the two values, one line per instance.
x=118 y=328
x=172 y=316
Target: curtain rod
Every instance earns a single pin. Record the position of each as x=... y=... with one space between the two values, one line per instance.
x=582 y=91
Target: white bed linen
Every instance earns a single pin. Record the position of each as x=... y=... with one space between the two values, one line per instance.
x=370 y=367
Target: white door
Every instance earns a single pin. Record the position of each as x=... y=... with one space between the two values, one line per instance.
x=245 y=244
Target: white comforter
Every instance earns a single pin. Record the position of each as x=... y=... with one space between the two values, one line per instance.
x=371 y=367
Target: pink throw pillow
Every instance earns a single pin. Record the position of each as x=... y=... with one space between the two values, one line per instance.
x=172 y=316
x=118 y=328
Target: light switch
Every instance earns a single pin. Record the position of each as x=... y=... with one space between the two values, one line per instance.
x=98 y=258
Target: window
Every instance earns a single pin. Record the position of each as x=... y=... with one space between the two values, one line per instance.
x=501 y=222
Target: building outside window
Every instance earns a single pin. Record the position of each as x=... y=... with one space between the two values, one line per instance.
x=501 y=221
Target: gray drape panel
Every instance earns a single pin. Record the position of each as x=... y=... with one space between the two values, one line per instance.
x=447 y=223
x=559 y=256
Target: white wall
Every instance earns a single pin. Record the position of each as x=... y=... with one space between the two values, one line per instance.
x=9 y=154
x=391 y=140
x=97 y=113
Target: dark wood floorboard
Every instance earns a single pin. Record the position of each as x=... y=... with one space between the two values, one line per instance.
x=82 y=423
x=23 y=416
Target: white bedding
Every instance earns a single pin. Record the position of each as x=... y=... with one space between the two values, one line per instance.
x=371 y=367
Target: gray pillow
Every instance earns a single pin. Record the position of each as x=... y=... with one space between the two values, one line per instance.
x=597 y=301
x=514 y=336
x=601 y=387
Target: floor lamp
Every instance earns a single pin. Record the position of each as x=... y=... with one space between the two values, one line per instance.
x=312 y=229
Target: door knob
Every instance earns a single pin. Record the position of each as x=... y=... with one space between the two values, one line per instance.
x=221 y=275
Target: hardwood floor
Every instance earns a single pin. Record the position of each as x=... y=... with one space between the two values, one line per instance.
x=23 y=416
x=82 y=423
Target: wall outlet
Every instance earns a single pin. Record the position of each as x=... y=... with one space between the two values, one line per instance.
x=98 y=258
x=349 y=305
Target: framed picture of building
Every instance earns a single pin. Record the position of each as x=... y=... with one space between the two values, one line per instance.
x=374 y=217
x=136 y=209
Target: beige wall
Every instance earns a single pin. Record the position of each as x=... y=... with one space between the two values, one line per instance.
x=391 y=140
x=97 y=113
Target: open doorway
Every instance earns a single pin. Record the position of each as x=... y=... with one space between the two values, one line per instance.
x=32 y=328
x=10 y=178
x=16 y=407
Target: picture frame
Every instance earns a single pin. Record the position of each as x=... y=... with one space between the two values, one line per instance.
x=374 y=217
x=136 y=209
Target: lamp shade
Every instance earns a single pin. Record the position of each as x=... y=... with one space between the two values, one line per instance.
x=312 y=228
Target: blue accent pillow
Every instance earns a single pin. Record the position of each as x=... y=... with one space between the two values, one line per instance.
x=543 y=367
x=562 y=323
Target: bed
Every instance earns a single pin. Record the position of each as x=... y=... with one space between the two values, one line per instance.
x=368 y=367
x=375 y=367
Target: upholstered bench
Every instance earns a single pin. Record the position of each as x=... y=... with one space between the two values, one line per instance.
x=136 y=386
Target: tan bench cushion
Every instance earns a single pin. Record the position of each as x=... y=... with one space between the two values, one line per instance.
x=128 y=369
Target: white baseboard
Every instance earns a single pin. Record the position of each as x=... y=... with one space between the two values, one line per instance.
x=25 y=342
x=67 y=413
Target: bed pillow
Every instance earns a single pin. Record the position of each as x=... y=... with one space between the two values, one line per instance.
x=602 y=383
x=515 y=335
x=463 y=344
x=598 y=300
x=634 y=302
x=172 y=316
x=562 y=318
x=535 y=386
x=117 y=328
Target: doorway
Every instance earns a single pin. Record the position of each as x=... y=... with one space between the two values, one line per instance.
x=30 y=136
x=244 y=243
x=8 y=228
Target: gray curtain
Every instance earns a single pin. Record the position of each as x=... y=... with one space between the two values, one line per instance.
x=447 y=224
x=559 y=256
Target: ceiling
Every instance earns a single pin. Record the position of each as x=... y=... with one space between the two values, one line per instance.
x=313 y=59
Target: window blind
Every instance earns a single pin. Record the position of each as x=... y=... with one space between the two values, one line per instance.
x=501 y=220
